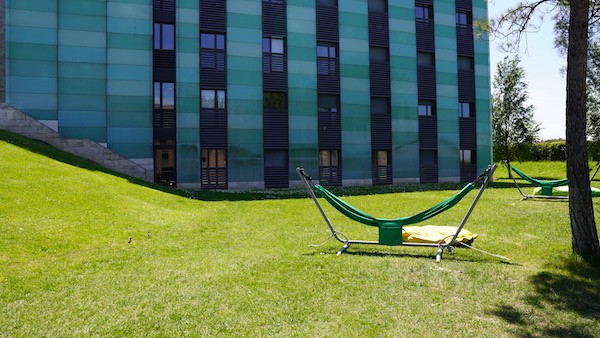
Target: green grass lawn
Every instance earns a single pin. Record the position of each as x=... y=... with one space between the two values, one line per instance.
x=241 y=264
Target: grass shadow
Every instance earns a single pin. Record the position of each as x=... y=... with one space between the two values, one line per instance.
x=357 y=251
x=571 y=286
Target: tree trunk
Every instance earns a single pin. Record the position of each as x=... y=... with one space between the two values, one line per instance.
x=581 y=210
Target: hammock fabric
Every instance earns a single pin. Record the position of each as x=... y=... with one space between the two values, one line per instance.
x=390 y=230
x=546 y=186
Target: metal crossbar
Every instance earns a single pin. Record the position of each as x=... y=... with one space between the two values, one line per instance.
x=483 y=179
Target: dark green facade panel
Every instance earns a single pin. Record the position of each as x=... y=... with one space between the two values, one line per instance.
x=83 y=23
x=71 y=86
x=82 y=102
x=129 y=103
x=19 y=51
x=131 y=150
x=82 y=70
x=97 y=134
x=132 y=119
x=188 y=134
x=33 y=5
x=82 y=118
x=127 y=41
x=33 y=85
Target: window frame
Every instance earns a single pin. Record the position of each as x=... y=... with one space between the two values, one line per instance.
x=430 y=108
x=324 y=103
x=271 y=40
x=160 y=105
x=468 y=19
x=268 y=101
x=215 y=38
x=329 y=155
x=426 y=12
x=217 y=98
x=220 y=162
x=159 y=36
x=471 y=157
x=470 y=113
x=425 y=56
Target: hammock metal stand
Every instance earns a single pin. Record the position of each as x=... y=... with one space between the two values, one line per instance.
x=549 y=197
x=483 y=180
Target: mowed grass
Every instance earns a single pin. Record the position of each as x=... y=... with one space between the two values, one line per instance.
x=241 y=264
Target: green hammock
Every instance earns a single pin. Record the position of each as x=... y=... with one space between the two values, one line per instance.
x=390 y=230
x=546 y=186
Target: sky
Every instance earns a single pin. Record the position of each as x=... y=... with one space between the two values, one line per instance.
x=543 y=64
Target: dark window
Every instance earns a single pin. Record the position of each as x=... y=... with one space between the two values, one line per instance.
x=380 y=106
x=464 y=19
x=465 y=109
x=274 y=1
x=428 y=158
x=378 y=54
x=164 y=36
x=276 y=158
x=164 y=95
x=423 y=13
x=467 y=157
x=213 y=99
x=427 y=108
x=378 y=6
x=328 y=103
x=274 y=101
x=425 y=59
x=327 y=3
x=465 y=63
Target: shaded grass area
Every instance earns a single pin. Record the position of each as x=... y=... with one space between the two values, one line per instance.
x=225 y=264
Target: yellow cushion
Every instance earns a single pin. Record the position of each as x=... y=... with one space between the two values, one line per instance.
x=435 y=234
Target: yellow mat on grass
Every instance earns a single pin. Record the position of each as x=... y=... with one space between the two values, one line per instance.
x=435 y=234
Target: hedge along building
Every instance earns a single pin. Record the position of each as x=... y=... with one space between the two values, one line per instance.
x=237 y=93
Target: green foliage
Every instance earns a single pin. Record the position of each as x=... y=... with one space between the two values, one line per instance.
x=561 y=27
x=235 y=264
x=513 y=126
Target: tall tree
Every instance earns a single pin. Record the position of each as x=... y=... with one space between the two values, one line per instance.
x=513 y=24
x=512 y=118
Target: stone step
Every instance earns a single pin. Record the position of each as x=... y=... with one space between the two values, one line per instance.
x=17 y=122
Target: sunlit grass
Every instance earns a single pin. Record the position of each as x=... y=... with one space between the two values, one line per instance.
x=241 y=264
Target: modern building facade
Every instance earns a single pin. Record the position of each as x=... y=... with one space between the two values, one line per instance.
x=228 y=94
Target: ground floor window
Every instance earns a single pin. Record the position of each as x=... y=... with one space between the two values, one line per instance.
x=330 y=169
x=382 y=166
x=214 y=168
x=164 y=162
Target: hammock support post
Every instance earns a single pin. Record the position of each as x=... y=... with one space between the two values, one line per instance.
x=390 y=233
